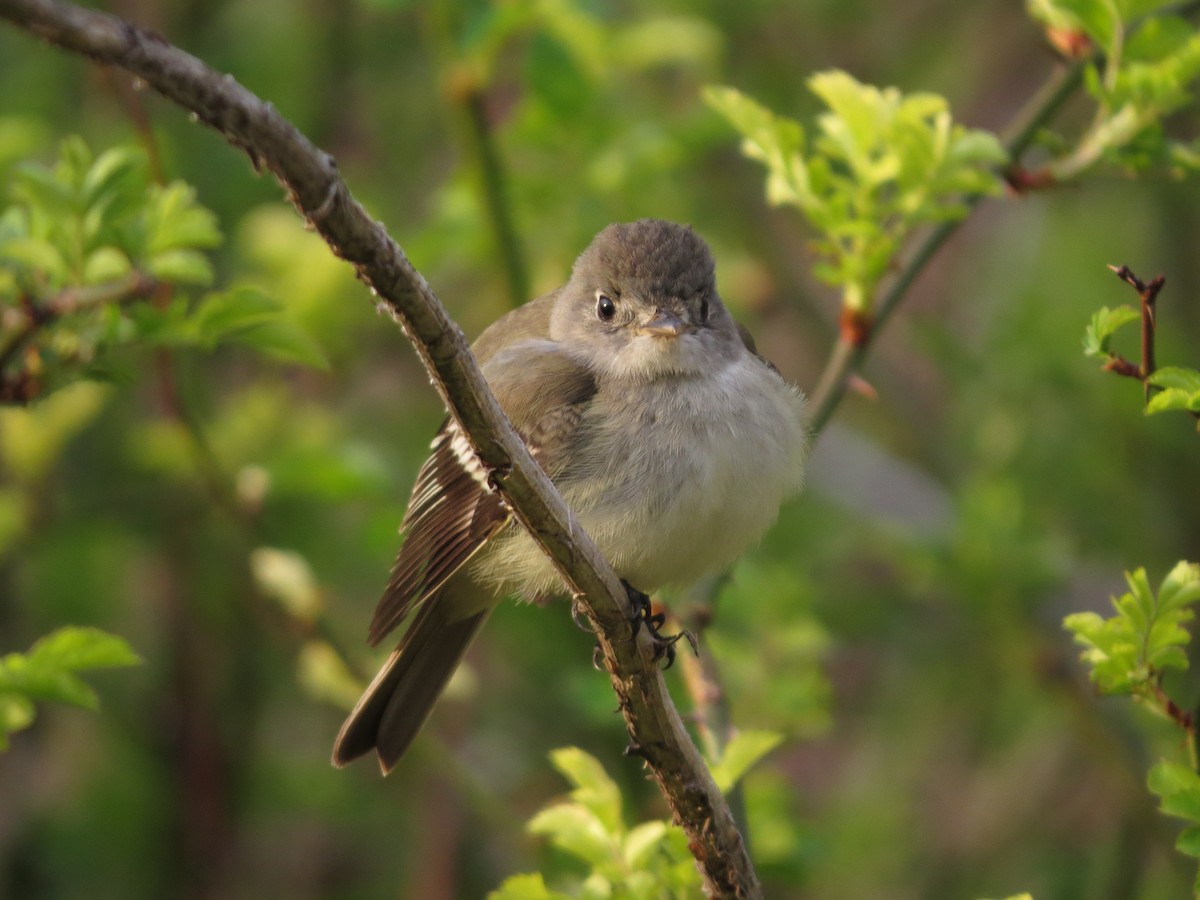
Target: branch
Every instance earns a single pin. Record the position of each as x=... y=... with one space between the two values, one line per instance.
x=313 y=185
x=1147 y=297
x=22 y=385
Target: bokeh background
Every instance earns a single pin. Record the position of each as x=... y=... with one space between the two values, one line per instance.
x=900 y=626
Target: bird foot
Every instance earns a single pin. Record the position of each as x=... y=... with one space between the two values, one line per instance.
x=664 y=644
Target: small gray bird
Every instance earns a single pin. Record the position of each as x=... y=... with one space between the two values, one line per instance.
x=670 y=439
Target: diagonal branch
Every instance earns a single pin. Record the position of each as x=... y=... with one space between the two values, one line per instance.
x=311 y=179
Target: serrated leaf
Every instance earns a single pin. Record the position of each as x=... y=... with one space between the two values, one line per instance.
x=1176 y=377
x=112 y=167
x=105 y=264
x=41 y=189
x=577 y=830
x=642 y=841
x=1105 y=322
x=1180 y=587
x=593 y=788
x=180 y=267
x=881 y=164
x=1188 y=842
x=175 y=221
x=741 y=753
x=74 y=649
x=1131 y=649
x=1171 y=400
x=220 y=314
x=1166 y=778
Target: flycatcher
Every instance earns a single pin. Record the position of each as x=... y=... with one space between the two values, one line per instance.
x=670 y=439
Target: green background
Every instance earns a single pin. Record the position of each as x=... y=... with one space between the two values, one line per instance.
x=901 y=624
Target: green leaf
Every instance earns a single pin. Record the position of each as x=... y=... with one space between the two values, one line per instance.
x=282 y=340
x=180 y=267
x=1175 y=377
x=16 y=713
x=1188 y=842
x=47 y=672
x=1180 y=390
x=1097 y=337
x=741 y=754
x=249 y=317
x=1172 y=399
x=526 y=887
x=113 y=167
x=642 y=841
x=1180 y=587
x=593 y=788
x=175 y=221
x=881 y=164
x=1129 y=651
x=75 y=649
x=1179 y=789
x=577 y=830
x=105 y=264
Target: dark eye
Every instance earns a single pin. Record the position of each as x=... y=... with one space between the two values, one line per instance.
x=704 y=309
x=605 y=308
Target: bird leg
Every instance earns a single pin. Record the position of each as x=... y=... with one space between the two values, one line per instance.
x=664 y=644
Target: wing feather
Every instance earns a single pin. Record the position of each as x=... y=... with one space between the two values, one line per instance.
x=452 y=514
x=453 y=511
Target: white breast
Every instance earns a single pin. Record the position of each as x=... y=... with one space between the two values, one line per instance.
x=678 y=485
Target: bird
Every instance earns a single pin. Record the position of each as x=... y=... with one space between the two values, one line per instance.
x=672 y=441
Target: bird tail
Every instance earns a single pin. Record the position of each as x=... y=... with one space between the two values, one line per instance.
x=399 y=700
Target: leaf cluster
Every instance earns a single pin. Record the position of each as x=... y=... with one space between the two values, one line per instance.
x=48 y=673
x=650 y=859
x=1128 y=652
x=1178 y=388
x=879 y=164
x=91 y=220
x=1147 y=62
x=83 y=244
x=1178 y=789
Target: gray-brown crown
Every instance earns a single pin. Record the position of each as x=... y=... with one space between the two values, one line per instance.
x=650 y=258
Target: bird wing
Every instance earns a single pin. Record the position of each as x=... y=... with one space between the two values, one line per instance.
x=453 y=511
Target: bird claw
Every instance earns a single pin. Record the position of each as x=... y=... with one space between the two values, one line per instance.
x=581 y=621
x=664 y=644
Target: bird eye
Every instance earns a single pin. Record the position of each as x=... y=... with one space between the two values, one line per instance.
x=605 y=308
x=704 y=309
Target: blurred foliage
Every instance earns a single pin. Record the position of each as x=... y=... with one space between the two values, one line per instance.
x=47 y=674
x=649 y=860
x=1130 y=653
x=233 y=516
x=1147 y=64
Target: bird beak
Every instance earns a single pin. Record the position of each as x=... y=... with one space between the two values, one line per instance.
x=663 y=324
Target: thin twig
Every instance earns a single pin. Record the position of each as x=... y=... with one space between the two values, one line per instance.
x=1147 y=297
x=495 y=195
x=314 y=186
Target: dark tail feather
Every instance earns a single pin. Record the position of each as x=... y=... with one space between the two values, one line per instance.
x=399 y=700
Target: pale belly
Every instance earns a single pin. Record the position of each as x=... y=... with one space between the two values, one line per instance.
x=675 y=487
